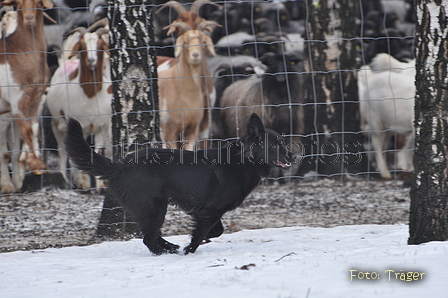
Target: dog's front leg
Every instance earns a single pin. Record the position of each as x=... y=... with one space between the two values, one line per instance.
x=202 y=228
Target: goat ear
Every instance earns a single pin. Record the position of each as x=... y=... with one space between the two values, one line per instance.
x=179 y=46
x=106 y=49
x=74 y=52
x=171 y=30
x=105 y=38
x=47 y=4
x=10 y=25
x=180 y=27
x=177 y=51
x=210 y=46
x=9 y=3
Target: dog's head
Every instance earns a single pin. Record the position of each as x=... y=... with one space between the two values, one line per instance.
x=265 y=146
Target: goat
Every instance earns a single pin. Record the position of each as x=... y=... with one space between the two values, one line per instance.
x=383 y=61
x=68 y=18
x=275 y=95
x=279 y=15
x=24 y=73
x=71 y=38
x=10 y=145
x=225 y=71
x=235 y=16
x=276 y=90
x=8 y=24
x=242 y=43
x=191 y=17
x=386 y=102
x=187 y=85
x=232 y=44
x=80 y=89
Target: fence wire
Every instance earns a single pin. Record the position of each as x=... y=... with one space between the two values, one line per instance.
x=263 y=64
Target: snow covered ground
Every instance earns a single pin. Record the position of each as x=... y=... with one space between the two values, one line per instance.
x=55 y=218
x=278 y=262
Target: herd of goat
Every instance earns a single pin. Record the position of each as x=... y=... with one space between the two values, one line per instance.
x=218 y=62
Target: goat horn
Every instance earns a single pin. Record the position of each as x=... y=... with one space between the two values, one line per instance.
x=103 y=23
x=174 y=4
x=81 y=30
x=184 y=26
x=202 y=25
x=102 y=31
x=198 y=4
x=49 y=18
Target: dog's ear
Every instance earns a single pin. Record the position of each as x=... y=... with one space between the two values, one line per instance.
x=255 y=127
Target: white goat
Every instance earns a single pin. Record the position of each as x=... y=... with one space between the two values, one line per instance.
x=10 y=146
x=80 y=88
x=10 y=141
x=24 y=73
x=186 y=90
x=386 y=100
x=383 y=61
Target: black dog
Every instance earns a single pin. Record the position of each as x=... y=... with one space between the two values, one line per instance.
x=204 y=183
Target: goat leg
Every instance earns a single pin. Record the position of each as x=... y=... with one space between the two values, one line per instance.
x=34 y=162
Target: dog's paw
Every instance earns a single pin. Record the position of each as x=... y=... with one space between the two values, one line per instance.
x=174 y=250
x=170 y=247
x=158 y=252
x=189 y=249
x=161 y=250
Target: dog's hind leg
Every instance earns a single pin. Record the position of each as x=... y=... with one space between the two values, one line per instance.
x=202 y=229
x=150 y=221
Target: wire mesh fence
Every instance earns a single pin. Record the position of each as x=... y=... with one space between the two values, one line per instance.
x=335 y=78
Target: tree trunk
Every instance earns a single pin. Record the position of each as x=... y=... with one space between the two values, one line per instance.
x=429 y=191
x=333 y=143
x=135 y=120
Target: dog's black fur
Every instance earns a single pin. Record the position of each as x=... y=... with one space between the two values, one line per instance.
x=204 y=183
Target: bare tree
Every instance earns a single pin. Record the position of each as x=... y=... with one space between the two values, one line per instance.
x=135 y=120
x=332 y=127
x=429 y=190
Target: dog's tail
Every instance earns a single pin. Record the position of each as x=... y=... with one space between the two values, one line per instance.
x=85 y=159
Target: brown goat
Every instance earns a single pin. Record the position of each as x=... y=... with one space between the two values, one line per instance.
x=24 y=72
x=186 y=89
x=191 y=17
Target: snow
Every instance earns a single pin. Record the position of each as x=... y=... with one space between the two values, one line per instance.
x=280 y=262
